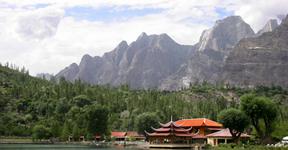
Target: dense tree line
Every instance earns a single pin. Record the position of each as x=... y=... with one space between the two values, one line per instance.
x=30 y=106
x=259 y=111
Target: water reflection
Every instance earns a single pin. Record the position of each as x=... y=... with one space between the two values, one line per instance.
x=56 y=147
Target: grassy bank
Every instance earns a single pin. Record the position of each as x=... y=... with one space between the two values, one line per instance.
x=20 y=140
x=248 y=147
x=16 y=140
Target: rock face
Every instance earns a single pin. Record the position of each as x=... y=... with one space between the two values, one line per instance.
x=214 y=46
x=269 y=26
x=69 y=73
x=225 y=34
x=142 y=64
x=229 y=52
x=260 y=60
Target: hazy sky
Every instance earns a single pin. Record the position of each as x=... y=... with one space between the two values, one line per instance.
x=47 y=35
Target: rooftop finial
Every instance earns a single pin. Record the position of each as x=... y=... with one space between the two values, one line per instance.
x=171 y=119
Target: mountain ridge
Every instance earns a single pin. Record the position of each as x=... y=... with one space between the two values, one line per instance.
x=157 y=61
x=133 y=63
x=261 y=60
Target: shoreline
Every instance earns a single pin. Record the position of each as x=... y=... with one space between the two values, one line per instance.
x=136 y=144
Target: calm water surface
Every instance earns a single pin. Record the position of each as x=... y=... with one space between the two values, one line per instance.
x=54 y=147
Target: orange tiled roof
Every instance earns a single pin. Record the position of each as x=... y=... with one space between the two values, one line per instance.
x=225 y=133
x=198 y=122
x=118 y=134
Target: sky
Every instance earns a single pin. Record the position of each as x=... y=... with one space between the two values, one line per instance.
x=45 y=36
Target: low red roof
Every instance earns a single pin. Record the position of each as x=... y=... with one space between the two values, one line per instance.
x=198 y=122
x=118 y=134
x=225 y=133
x=97 y=136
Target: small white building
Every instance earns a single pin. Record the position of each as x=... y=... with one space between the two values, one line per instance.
x=223 y=136
x=285 y=140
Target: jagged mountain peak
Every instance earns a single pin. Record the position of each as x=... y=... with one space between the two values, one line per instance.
x=122 y=44
x=69 y=73
x=230 y=19
x=156 y=60
x=121 y=47
x=116 y=54
x=260 y=60
x=165 y=37
x=225 y=34
x=151 y=40
x=142 y=64
x=142 y=36
x=268 y=27
x=86 y=58
x=73 y=65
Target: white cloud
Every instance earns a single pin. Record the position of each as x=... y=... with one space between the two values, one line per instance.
x=39 y=24
x=45 y=40
x=257 y=13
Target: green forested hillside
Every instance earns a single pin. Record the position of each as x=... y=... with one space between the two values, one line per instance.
x=29 y=105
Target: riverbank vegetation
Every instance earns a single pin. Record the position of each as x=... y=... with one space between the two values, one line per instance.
x=44 y=109
x=247 y=147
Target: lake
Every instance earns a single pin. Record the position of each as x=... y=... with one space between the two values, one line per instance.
x=54 y=147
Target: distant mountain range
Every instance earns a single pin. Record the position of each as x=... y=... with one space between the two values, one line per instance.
x=228 y=53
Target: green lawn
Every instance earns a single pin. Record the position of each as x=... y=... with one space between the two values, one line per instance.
x=15 y=140
x=248 y=147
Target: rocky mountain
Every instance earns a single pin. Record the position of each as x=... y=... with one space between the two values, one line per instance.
x=69 y=73
x=259 y=60
x=225 y=34
x=269 y=27
x=212 y=49
x=142 y=64
x=229 y=52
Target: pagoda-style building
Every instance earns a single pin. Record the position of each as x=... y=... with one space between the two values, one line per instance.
x=202 y=125
x=170 y=135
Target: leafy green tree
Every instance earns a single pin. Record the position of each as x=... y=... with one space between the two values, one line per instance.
x=55 y=128
x=97 y=119
x=62 y=107
x=66 y=131
x=145 y=121
x=235 y=120
x=41 y=132
x=76 y=132
x=26 y=101
x=81 y=100
x=260 y=108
